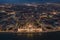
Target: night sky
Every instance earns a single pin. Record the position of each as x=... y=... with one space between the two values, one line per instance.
x=29 y=1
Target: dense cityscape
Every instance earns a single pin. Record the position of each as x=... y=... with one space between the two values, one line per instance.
x=45 y=16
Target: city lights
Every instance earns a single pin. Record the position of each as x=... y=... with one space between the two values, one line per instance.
x=30 y=28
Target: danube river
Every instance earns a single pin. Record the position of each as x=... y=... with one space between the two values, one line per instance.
x=30 y=36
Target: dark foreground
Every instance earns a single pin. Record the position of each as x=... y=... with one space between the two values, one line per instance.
x=26 y=36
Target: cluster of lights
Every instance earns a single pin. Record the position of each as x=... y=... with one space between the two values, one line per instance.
x=30 y=28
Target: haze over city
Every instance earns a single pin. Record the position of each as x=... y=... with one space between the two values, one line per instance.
x=29 y=1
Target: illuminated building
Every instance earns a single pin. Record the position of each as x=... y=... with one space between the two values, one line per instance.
x=30 y=28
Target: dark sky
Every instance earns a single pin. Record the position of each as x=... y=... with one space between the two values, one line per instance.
x=28 y=1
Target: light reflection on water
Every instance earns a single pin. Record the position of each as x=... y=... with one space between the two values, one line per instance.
x=29 y=35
